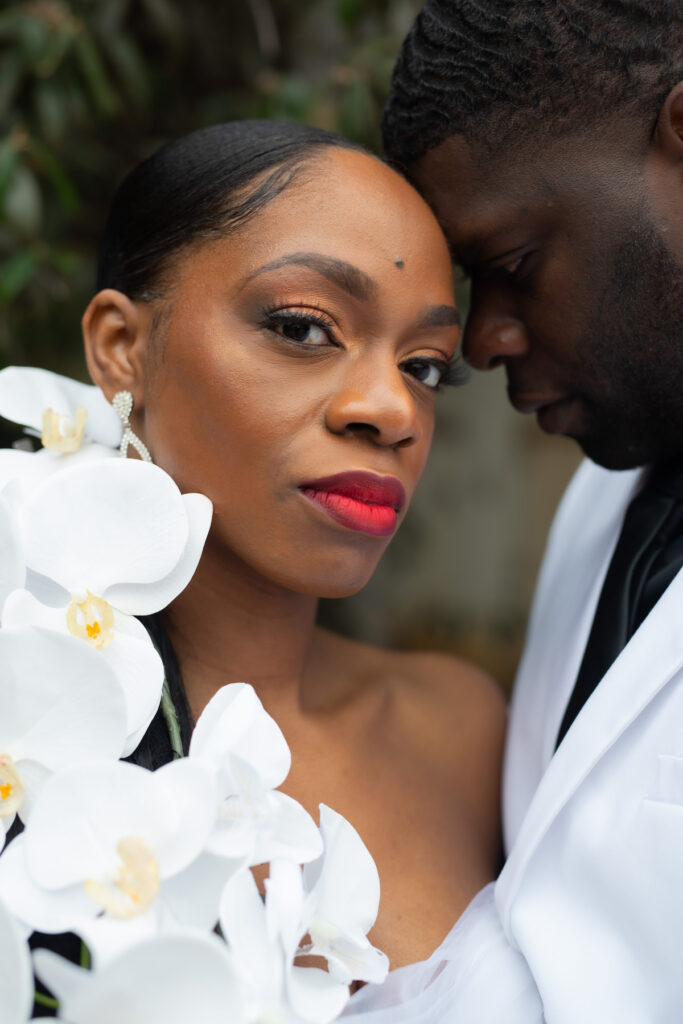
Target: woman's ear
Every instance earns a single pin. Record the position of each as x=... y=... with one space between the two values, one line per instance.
x=669 y=130
x=115 y=336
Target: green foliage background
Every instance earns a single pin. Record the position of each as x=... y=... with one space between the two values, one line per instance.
x=89 y=87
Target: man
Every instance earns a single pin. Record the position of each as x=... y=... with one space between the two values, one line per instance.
x=548 y=137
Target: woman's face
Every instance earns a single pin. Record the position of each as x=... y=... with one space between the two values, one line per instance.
x=296 y=378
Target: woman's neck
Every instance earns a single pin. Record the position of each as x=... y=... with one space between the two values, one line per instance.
x=230 y=624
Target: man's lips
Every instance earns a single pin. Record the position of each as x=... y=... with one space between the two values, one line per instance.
x=360 y=500
x=531 y=401
x=557 y=413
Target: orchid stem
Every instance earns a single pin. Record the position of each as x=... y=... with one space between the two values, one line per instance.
x=47 y=1001
x=86 y=961
x=171 y=718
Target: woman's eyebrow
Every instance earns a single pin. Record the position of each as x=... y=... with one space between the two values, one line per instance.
x=355 y=282
x=440 y=316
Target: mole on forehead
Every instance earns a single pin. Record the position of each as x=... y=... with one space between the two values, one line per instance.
x=399 y=263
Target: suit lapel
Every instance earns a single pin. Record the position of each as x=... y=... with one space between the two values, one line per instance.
x=581 y=544
x=647 y=663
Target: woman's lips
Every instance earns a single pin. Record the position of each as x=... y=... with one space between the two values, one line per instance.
x=360 y=501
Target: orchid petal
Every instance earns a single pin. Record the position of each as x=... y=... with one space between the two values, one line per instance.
x=131 y=656
x=284 y=904
x=315 y=995
x=293 y=834
x=342 y=903
x=189 y=792
x=12 y=563
x=171 y=979
x=35 y=907
x=242 y=917
x=192 y=896
x=16 y=979
x=82 y=814
x=147 y=598
x=46 y=590
x=110 y=521
x=349 y=960
x=108 y=937
x=26 y=392
x=347 y=884
x=16 y=465
x=235 y=722
x=61 y=704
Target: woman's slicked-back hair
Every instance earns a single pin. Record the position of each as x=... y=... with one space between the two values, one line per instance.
x=200 y=186
x=516 y=70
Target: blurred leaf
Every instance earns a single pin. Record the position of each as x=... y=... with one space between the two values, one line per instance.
x=11 y=67
x=95 y=76
x=23 y=205
x=15 y=273
x=51 y=109
x=166 y=19
x=56 y=174
x=130 y=66
x=66 y=261
x=11 y=21
x=9 y=158
x=349 y=12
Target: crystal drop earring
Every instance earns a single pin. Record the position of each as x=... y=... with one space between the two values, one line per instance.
x=123 y=407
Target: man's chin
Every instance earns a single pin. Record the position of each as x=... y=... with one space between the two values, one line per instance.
x=613 y=453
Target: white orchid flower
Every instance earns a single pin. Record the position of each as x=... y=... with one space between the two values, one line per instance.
x=172 y=979
x=131 y=655
x=342 y=900
x=109 y=853
x=243 y=746
x=61 y=705
x=264 y=940
x=62 y=411
x=114 y=534
x=16 y=976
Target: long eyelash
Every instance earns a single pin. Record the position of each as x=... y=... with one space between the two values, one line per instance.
x=458 y=373
x=277 y=315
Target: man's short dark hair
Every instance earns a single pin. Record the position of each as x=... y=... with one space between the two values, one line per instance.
x=502 y=69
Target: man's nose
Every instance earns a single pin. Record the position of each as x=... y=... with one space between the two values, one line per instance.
x=374 y=401
x=492 y=338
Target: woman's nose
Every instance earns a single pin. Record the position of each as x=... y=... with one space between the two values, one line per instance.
x=492 y=338
x=376 y=404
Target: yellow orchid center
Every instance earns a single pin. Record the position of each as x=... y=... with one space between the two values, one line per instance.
x=11 y=787
x=61 y=433
x=91 y=619
x=136 y=885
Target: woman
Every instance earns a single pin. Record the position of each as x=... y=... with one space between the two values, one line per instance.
x=280 y=305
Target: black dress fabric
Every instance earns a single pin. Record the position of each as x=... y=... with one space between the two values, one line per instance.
x=648 y=555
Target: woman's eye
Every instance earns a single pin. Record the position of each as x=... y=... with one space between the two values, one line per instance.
x=303 y=330
x=431 y=374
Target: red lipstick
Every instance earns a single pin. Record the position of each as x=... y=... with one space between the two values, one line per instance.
x=359 y=501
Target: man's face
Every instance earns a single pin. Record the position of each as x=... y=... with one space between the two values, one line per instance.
x=576 y=261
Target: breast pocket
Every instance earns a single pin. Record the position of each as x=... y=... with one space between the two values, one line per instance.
x=668 y=787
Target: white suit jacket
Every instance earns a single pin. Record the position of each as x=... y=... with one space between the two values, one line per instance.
x=592 y=891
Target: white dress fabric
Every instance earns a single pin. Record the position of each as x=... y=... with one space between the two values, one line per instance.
x=474 y=977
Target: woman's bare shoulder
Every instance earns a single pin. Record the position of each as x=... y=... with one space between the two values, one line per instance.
x=434 y=690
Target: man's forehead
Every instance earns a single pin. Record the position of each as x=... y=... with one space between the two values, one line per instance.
x=474 y=195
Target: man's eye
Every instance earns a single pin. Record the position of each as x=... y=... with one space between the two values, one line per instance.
x=513 y=266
